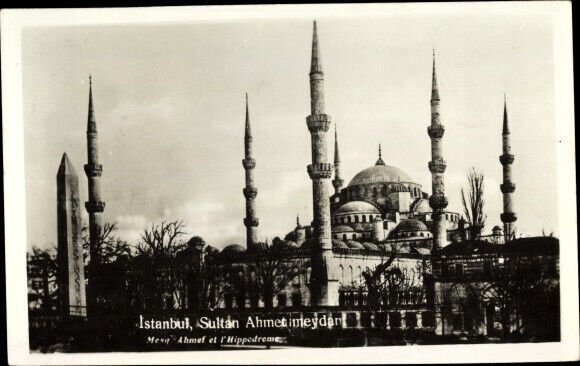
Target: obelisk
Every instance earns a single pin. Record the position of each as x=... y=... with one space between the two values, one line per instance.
x=71 y=272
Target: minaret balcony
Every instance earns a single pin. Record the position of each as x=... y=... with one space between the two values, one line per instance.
x=251 y=221
x=437 y=166
x=320 y=170
x=506 y=159
x=250 y=192
x=249 y=163
x=508 y=217
x=95 y=206
x=507 y=187
x=93 y=170
x=436 y=132
x=438 y=201
x=318 y=122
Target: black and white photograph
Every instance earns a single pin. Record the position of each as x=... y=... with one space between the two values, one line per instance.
x=277 y=180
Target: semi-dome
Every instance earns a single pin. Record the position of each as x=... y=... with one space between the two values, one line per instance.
x=354 y=244
x=234 y=248
x=370 y=246
x=357 y=207
x=342 y=228
x=380 y=174
x=411 y=225
x=339 y=244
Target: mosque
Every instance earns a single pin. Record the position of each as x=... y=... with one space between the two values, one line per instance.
x=382 y=212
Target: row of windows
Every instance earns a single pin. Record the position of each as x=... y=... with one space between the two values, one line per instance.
x=361 y=191
x=350 y=219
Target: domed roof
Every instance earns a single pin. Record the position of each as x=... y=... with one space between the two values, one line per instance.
x=354 y=244
x=357 y=207
x=496 y=228
x=210 y=249
x=411 y=225
x=342 y=228
x=380 y=174
x=234 y=248
x=339 y=244
x=370 y=246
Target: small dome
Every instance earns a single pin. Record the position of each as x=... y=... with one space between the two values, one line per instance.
x=339 y=244
x=370 y=246
x=411 y=225
x=342 y=228
x=234 y=248
x=357 y=207
x=380 y=174
x=354 y=244
x=496 y=228
x=196 y=241
x=210 y=249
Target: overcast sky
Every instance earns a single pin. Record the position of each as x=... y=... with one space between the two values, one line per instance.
x=169 y=105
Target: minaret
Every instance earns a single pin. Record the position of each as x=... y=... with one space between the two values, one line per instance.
x=337 y=182
x=437 y=165
x=71 y=271
x=320 y=172
x=508 y=217
x=93 y=170
x=250 y=191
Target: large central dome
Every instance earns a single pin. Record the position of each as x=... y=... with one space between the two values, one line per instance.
x=380 y=174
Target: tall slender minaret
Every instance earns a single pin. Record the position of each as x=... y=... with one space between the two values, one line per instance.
x=93 y=170
x=337 y=182
x=508 y=217
x=437 y=165
x=250 y=191
x=320 y=172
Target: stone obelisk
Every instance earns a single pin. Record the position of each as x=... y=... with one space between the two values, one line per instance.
x=71 y=271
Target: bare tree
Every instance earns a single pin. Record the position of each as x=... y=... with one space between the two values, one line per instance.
x=274 y=270
x=473 y=202
x=110 y=246
x=162 y=240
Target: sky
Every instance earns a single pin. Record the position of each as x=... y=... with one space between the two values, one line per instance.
x=169 y=104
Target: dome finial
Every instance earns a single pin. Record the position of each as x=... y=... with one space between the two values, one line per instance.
x=380 y=160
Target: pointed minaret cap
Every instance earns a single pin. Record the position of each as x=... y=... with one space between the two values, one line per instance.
x=298 y=226
x=315 y=65
x=336 y=152
x=92 y=123
x=506 y=129
x=66 y=167
x=248 y=128
x=380 y=160
x=434 y=87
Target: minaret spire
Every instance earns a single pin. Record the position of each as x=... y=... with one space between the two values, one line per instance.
x=250 y=191
x=380 y=159
x=508 y=217
x=94 y=205
x=320 y=172
x=437 y=166
x=337 y=182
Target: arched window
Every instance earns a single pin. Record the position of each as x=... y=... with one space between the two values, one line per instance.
x=341 y=274
x=355 y=218
x=344 y=236
x=348 y=219
x=351 y=275
x=375 y=191
x=364 y=218
x=359 y=274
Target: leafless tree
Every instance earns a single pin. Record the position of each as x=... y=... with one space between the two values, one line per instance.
x=388 y=285
x=274 y=270
x=474 y=203
x=110 y=245
x=162 y=240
